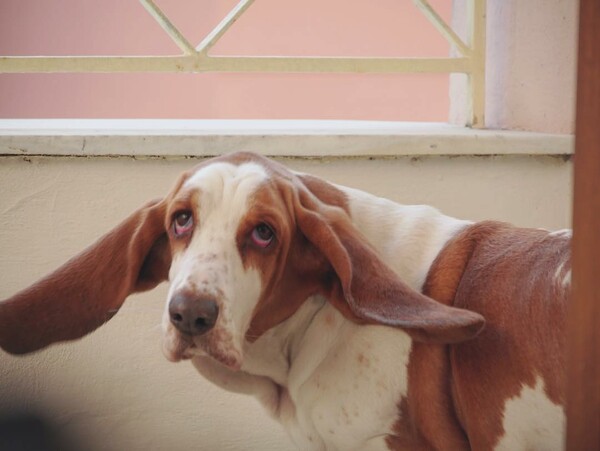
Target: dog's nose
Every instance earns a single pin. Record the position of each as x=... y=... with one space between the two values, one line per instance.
x=193 y=315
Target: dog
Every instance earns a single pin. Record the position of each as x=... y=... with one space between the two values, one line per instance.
x=359 y=323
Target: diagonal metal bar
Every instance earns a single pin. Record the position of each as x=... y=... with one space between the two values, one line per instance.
x=211 y=39
x=166 y=25
x=442 y=27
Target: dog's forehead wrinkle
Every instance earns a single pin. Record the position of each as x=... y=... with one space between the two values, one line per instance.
x=222 y=179
x=224 y=192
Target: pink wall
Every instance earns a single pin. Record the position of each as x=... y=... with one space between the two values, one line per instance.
x=270 y=27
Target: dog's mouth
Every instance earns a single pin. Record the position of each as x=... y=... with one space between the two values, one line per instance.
x=217 y=344
x=177 y=346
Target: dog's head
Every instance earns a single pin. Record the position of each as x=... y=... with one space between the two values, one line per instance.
x=244 y=242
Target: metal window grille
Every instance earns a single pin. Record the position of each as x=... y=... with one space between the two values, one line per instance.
x=470 y=59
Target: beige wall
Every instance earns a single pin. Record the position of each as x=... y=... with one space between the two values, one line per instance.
x=114 y=390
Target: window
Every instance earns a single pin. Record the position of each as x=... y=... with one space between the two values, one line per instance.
x=373 y=60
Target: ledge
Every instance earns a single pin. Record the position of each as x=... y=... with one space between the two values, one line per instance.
x=292 y=138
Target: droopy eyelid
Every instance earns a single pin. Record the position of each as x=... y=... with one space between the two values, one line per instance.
x=181 y=204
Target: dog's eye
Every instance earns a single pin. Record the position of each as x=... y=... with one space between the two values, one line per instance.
x=183 y=222
x=262 y=235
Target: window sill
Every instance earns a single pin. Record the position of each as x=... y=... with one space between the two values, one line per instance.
x=290 y=138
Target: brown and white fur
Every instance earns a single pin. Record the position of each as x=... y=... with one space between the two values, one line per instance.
x=357 y=322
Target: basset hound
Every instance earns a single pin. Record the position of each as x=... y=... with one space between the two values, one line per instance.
x=359 y=323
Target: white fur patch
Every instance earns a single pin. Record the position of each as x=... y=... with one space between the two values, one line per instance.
x=344 y=382
x=567 y=233
x=532 y=421
x=566 y=281
x=211 y=265
x=407 y=237
x=558 y=272
x=562 y=277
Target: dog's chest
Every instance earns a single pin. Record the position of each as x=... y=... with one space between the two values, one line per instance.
x=344 y=385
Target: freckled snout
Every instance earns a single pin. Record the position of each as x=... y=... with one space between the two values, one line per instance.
x=193 y=315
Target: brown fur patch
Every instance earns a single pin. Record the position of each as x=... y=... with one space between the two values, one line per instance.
x=507 y=275
x=405 y=435
x=510 y=281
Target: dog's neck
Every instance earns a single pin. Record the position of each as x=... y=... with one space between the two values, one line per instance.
x=273 y=353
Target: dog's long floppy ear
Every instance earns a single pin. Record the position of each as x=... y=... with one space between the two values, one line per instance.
x=366 y=290
x=88 y=290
